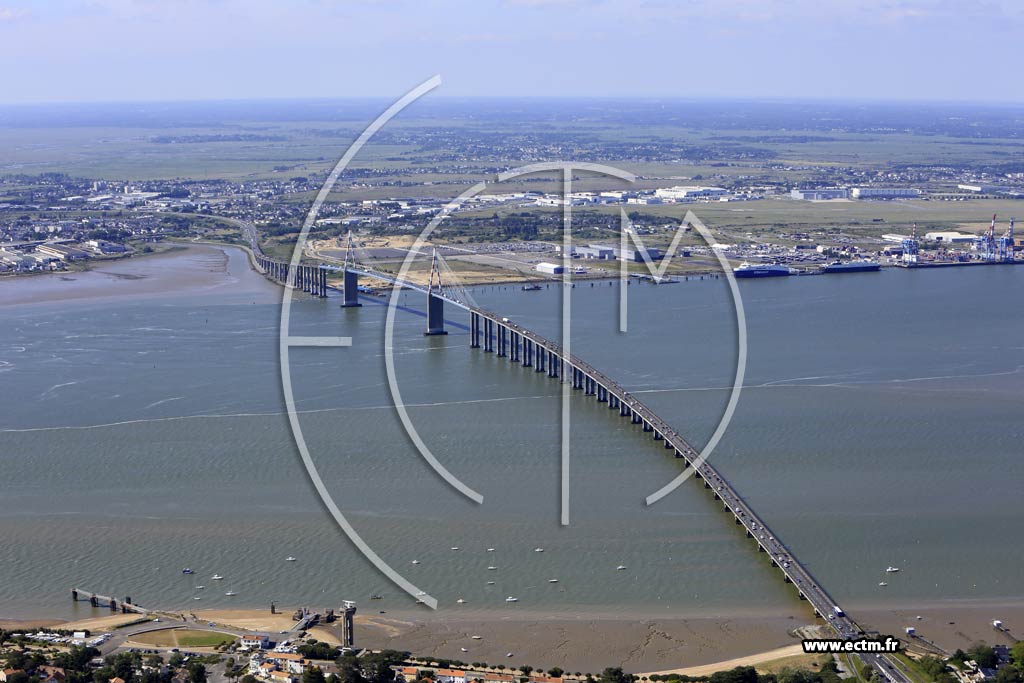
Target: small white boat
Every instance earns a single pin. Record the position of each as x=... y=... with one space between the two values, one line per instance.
x=490 y=550
x=882 y=583
x=461 y=601
x=476 y=637
x=511 y=599
x=538 y=550
x=455 y=547
x=552 y=580
x=892 y=570
x=230 y=593
x=491 y=569
x=508 y=654
x=197 y=598
x=415 y=561
x=490 y=583
x=289 y=559
x=187 y=570
x=200 y=587
x=621 y=567
x=217 y=577
x=464 y=649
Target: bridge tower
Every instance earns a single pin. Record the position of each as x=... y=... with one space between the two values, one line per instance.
x=435 y=304
x=350 y=281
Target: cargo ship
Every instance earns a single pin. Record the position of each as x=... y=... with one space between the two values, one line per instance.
x=762 y=270
x=851 y=267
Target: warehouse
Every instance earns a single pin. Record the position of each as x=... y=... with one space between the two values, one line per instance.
x=550 y=268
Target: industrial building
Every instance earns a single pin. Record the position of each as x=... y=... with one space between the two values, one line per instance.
x=596 y=251
x=550 y=268
x=607 y=251
x=689 y=192
x=61 y=251
x=949 y=237
x=884 y=193
x=985 y=189
x=821 y=194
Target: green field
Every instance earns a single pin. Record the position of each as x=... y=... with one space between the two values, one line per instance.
x=183 y=638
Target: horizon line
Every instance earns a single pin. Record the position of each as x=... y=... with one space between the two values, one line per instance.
x=649 y=98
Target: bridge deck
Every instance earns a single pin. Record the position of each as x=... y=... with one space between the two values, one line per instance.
x=781 y=556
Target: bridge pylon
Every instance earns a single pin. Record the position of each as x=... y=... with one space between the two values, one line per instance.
x=350 y=279
x=435 y=304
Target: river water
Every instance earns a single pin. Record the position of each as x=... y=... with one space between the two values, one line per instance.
x=142 y=430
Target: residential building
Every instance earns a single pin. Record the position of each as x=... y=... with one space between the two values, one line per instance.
x=255 y=641
x=449 y=676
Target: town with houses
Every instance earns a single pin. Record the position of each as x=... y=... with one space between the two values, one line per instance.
x=57 y=656
x=53 y=222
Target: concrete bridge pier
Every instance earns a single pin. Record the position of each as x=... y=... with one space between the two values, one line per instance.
x=540 y=363
x=516 y=348
x=435 y=316
x=527 y=352
x=488 y=335
x=350 y=289
x=474 y=331
x=502 y=341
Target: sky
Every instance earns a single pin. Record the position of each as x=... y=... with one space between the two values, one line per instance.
x=159 y=50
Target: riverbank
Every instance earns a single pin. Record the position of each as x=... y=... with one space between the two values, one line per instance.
x=188 y=269
x=589 y=642
x=691 y=646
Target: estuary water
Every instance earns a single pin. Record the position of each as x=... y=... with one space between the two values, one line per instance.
x=143 y=430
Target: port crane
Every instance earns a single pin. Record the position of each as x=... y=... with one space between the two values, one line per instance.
x=1004 y=245
x=985 y=245
x=910 y=248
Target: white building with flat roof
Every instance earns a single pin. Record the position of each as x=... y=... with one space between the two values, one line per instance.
x=689 y=192
x=949 y=237
x=884 y=193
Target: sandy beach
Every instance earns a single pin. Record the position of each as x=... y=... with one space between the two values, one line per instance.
x=685 y=645
x=691 y=646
